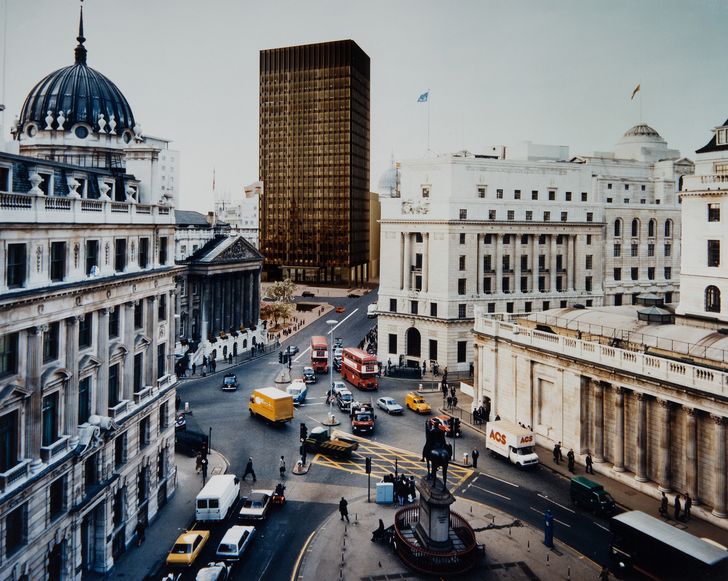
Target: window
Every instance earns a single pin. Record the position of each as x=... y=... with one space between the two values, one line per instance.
x=487 y=288
x=113 y=385
x=516 y=194
x=491 y=214
x=529 y=215
x=524 y=284
x=617 y=228
x=481 y=191
x=668 y=249
x=564 y=216
x=651 y=225
x=85 y=327
x=528 y=307
x=433 y=309
x=542 y=262
x=499 y=194
x=425 y=191
x=162 y=307
x=144 y=432
x=418 y=237
x=609 y=186
x=634 y=273
x=713 y=213
x=668 y=273
x=542 y=238
x=50 y=414
x=567 y=196
x=542 y=285
x=413 y=307
x=462 y=286
x=92 y=255
x=84 y=400
x=559 y=263
x=642 y=188
x=463 y=214
x=51 y=342
x=626 y=200
x=491 y=307
x=139 y=314
x=143 y=252
x=462 y=238
x=392 y=342
x=57 y=497
x=461 y=262
x=138 y=372
x=589 y=261
x=635 y=228
x=511 y=215
x=506 y=238
x=162 y=250
x=462 y=349
x=4 y=179
x=668 y=228
x=626 y=187
x=506 y=260
x=618 y=300
x=120 y=254
x=418 y=282
x=590 y=216
x=392 y=305
x=524 y=238
x=58 y=261
x=559 y=239
x=143 y=488
x=588 y=284
x=635 y=298
x=17 y=265
x=8 y=440
x=15 y=529
x=488 y=263
x=506 y=285
x=546 y=305
x=534 y=194
x=609 y=200
x=713 y=252
x=584 y=196
x=524 y=262
x=461 y=310
x=552 y=195
x=161 y=361
x=617 y=274
x=634 y=250
x=712 y=299
x=433 y=349
x=509 y=307
x=588 y=239
x=90 y=472
x=650 y=273
x=559 y=284
x=488 y=239
x=668 y=297
x=114 y=321
x=546 y=216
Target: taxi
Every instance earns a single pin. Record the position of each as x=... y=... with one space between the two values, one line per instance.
x=187 y=548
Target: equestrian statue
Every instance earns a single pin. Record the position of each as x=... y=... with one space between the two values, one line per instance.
x=436 y=452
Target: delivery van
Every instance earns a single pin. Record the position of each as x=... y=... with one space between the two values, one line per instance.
x=417 y=403
x=590 y=495
x=506 y=439
x=215 y=501
x=271 y=403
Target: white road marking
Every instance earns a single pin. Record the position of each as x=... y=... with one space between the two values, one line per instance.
x=302 y=354
x=556 y=520
x=490 y=492
x=601 y=526
x=500 y=480
x=557 y=504
x=342 y=321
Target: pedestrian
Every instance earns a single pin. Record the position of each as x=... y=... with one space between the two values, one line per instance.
x=214 y=365
x=249 y=470
x=230 y=359
x=204 y=360
x=688 y=506
x=471 y=369
x=556 y=453
x=343 y=509
x=444 y=390
x=452 y=390
x=570 y=460
x=198 y=462
x=449 y=402
x=282 y=467
x=475 y=454
x=194 y=368
x=140 y=531
x=424 y=368
x=454 y=401
x=663 y=505
x=589 y=464
x=177 y=403
x=561 y=456
x=604 y=575
x=677 y=507
x=203 y=464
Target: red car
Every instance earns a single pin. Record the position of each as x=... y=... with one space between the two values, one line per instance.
x=447 y=424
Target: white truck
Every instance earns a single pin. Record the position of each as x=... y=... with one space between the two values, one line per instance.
x=511 y=441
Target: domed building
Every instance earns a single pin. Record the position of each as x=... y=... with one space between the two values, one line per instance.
x=643 y=143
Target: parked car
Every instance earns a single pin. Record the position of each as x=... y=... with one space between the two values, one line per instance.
x=344 y=400
x=230 y=382
x=298 y=390
x=309 y=375
x=214 y=572
x=187 y=548
x=255 y=506
x=189 y=442
x=234 y=542
x=389 y=405
x=339 y=386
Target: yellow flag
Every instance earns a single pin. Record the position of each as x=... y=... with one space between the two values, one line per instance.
x=636 y=90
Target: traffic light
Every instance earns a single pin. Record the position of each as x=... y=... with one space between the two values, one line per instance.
x=280 y=357
x=455 y=426
x=304 y=431
x=368 y=465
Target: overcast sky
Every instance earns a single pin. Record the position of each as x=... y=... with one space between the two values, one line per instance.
x=499 y=72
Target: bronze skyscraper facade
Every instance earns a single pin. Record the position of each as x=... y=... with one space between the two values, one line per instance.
x=314 y=162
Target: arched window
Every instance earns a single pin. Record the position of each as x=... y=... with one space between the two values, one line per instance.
x=617 y=227
x=668 y=228
x=635 y=228
x=651 y=226
x=712 y=299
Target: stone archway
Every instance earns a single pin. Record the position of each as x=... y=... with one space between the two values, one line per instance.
x=413 y=344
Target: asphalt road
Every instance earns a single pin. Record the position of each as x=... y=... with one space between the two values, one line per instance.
x=524 y=493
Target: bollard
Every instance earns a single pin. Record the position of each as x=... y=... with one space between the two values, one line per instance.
x=568 y=573
x=419 y=388
x=187 y=407
x=528 y=546
x=465 y=458
x=509 y=531
x=547 y=560
x=471 y=509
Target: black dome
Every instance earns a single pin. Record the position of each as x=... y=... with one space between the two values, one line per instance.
x=81 y=92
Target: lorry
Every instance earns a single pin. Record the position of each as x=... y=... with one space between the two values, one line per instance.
x=590 y=495
x=271 y=403
x=318 y=440
x=372 y=311
x=363 y=418
x=511 y=441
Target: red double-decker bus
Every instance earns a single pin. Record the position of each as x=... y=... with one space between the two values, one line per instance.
x=319 y=354
x=359 y=368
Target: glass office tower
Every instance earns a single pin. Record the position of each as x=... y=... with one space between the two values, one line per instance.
x=314 y=162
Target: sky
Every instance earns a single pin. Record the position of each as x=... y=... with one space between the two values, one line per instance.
x=497 y=71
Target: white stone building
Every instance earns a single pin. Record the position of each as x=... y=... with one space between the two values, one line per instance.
x=462 y=230
x=242 y=214
x=87 y=388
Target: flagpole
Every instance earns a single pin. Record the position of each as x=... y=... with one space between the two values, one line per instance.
x=428 y=120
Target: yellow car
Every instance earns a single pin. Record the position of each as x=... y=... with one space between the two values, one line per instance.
x=187 y=548
x=416 y=402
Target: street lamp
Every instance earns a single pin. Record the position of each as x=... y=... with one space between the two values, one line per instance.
x=331 y=323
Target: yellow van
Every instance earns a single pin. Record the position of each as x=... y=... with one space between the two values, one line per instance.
x=416 y=402
x=271 y=403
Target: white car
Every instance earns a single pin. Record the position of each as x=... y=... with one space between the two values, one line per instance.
x=255 y=506
x=389 y=405
x=213 y=572
x=235 y=542
x=339 y=386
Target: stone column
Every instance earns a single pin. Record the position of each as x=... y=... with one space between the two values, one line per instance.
x=126 y=316
x=619 y=432
x=204 y=310
x=641 y=471
x=720 y=502
x=478 y=264
x=407 y=260
x=598 y=391
x=578 y=265
x=34 y=409
x=534 y=264
x=102 y=352
x=169 y=351
x=498 y=257
x=552 y=263
x=253 y=302
x=665 y=484
x=426 y=264
x=401 y=260
x=570 y=263
x=71 y=400
x=691 y=454
x=517 y=265
x=152 y=332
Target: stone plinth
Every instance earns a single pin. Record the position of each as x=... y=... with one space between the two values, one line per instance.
x=433 y=525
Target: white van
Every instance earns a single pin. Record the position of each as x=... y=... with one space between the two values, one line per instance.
x=217 y=498
x=234 y=543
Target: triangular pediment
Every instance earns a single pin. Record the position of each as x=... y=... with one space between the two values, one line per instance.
x=12 y=391
x=54 y=374
x=239 y=249
x=88 y=362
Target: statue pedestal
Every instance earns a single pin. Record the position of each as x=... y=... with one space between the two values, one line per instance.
x=433 y=526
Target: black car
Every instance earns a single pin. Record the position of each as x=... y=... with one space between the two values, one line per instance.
x=230 y=382
x=337 y=363
x=189 y=442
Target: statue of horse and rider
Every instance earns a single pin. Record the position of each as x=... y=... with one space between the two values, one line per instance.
x=436 y=452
